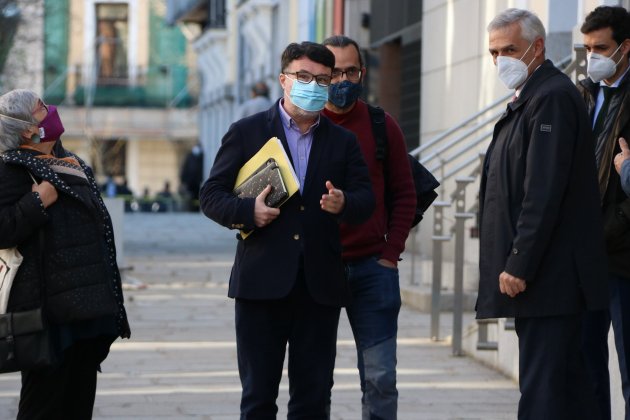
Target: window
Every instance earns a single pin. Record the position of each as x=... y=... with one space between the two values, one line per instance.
x=216 y=14
x=112 y=37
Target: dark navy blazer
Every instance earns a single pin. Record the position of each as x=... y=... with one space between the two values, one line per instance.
x=267 y=261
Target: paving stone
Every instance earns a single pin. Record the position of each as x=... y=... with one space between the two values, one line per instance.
x=181 y=360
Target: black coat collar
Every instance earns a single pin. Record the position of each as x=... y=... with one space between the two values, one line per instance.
x=544 y=72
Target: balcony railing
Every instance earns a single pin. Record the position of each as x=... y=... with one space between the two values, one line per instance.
x=163 y=86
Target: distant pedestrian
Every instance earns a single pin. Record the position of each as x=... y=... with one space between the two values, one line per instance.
x=165 y=192
x=288 y=278
x=164 y=199
x=191 y=176
x=542 y=258
x=110 y=188
x=123 y=189
x=258 y=102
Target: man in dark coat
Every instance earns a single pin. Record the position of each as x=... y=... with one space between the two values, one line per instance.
x=192 y=175
x=606 y=93
x=541 y=239
x=288 y=277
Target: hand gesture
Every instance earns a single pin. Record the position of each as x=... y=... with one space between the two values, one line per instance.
x=510 y=285
x=47 y=193
x=622 y=156
x=264 y=215
x=334 y=201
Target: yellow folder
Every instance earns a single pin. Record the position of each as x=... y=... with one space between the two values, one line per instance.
x=272 y=149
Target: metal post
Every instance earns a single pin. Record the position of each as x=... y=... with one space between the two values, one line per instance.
x=483 y=342
x=580 y=62
x=458 y=293
x=412 y=280
x=436 y=286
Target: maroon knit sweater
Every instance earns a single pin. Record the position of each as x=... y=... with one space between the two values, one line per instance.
x=383 y=235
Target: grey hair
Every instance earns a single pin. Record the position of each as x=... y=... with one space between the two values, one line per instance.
x=531 y=26
x=16 y=109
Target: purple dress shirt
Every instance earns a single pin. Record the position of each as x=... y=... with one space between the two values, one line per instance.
x=299 y=144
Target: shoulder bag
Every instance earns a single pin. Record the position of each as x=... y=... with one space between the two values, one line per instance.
x=25 y=339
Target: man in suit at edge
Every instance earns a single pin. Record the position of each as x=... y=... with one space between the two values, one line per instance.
x=288 y=279
x=606 y=93
x=541 y=236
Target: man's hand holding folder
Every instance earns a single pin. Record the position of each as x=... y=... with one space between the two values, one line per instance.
x=263 y=214
x=267 y=174
x=270 y=177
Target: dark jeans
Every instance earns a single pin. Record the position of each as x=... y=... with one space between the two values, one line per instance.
x=65 y=391
x=263 y=329
x=553 y=380
x=373 y=317
x=595 y=344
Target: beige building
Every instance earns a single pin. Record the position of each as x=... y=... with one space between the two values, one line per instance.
x=125 y=83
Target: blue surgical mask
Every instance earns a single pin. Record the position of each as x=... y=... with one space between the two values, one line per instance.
x=344 y=94
x=308 y=96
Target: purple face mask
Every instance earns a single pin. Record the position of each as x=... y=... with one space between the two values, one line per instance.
x=51 y=128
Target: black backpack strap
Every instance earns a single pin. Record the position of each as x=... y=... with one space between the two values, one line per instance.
x=377 y=117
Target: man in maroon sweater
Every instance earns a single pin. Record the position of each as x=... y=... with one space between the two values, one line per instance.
x=371 y=250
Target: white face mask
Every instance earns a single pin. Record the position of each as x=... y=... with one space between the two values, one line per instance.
x=512 y=71
x=601 y=67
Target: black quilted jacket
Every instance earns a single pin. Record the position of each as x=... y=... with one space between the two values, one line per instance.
x=78 y=254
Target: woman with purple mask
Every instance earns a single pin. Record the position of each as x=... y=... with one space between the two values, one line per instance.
x=63 y=230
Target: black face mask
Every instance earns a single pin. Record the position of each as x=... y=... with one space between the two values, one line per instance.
x=344 y=94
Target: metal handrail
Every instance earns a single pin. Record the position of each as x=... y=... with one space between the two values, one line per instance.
x=416 y=152
x=457 y=153
x=426 y=159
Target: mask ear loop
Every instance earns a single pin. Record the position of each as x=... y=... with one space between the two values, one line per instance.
x=35 y=138
x=615 y=52
x=17 y=119
x=526 y=51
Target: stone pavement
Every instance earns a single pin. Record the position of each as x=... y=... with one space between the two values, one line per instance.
x=181 y=360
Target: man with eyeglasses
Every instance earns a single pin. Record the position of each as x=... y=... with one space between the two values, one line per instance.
x=288 y=278
x=371 y=250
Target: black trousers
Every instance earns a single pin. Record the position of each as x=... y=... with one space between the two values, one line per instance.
x=65 y=391
x=553 y=380
x=595 y=344
x=263 y=329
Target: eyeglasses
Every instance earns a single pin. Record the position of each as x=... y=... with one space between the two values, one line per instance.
x=39 y=107
x=352 y=73
x=305 y=77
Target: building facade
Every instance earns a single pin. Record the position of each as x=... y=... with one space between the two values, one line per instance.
x=125 y=83
x=240 y=43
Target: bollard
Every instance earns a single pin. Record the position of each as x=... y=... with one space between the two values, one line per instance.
x=436 y=285
x=458 y=290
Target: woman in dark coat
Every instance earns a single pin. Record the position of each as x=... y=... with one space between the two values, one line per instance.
x=63 y=230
